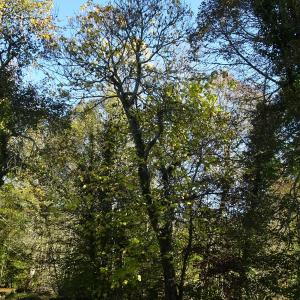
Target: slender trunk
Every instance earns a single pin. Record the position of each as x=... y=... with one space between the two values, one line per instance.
x=4 y=138
x=164 y=234
x=186 y=256
x=2 y=268
x=165 y=245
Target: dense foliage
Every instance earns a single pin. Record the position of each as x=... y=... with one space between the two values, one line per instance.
x=158 y=158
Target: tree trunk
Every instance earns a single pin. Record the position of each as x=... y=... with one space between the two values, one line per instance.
x=165 y=245
x=4 y=138
x=164 y=234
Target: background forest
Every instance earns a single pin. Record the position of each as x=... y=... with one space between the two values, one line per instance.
x=149 y=153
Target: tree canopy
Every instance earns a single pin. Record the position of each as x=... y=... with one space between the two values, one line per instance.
x=156 y=153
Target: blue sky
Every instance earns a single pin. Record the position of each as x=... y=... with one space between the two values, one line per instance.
x=66 y=8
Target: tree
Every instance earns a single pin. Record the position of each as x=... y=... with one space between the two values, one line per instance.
x=25 y=28
x=89 y=218
x=25 y=36
x=131 y=57
x=127 y=44
x=260 y=38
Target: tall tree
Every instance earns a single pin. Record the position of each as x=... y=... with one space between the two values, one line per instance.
x=132 y=57
x=127 y=44
x=259 y=43
x=25 y=34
